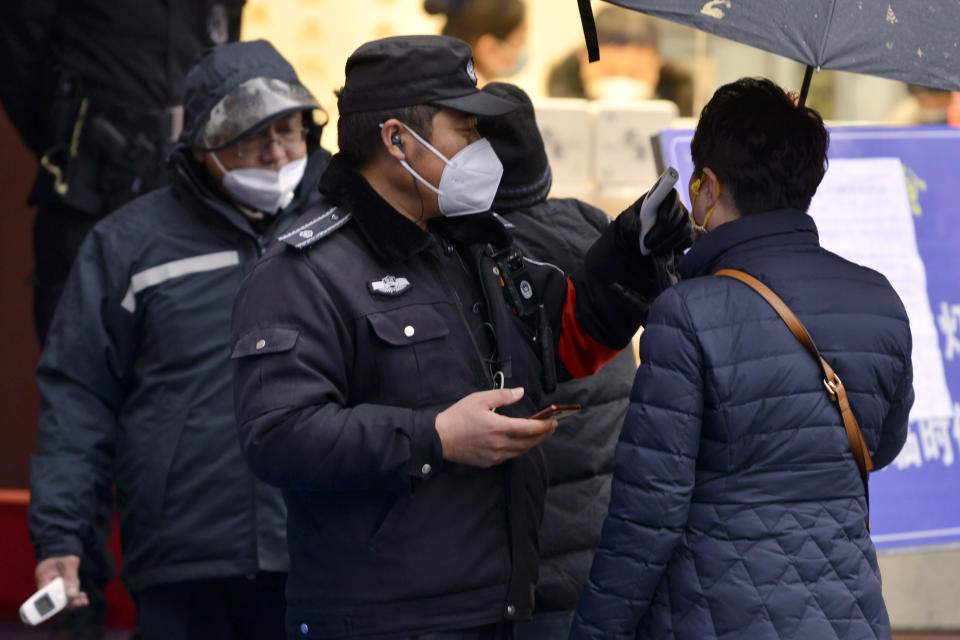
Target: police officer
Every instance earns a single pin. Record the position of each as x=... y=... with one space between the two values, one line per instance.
x=391 y=349
x=135 y=375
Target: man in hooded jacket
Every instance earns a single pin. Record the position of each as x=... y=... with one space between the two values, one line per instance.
x=135 y=376
x=95 y=90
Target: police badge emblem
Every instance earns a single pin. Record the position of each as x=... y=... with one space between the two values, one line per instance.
x=389 y=286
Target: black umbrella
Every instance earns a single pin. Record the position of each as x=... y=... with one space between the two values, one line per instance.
x=916 y=41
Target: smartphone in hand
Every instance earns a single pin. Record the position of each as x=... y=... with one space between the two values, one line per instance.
x=556 y=412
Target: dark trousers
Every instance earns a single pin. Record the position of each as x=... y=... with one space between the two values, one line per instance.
x=236 y=608
x=85 y=623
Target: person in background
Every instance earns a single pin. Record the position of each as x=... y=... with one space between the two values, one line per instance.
x=496 y=30
x=953 y=111
x=94 y=88
x=391 y=352
x=580 y=453
x=923 y=105
x=135 y=376
x=630 y=65
x=737 y=508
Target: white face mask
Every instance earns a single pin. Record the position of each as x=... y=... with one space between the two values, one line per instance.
x=618 y=88
x=263 y=189
x=469 y=182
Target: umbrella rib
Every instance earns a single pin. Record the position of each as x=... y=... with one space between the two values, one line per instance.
x=826 y=34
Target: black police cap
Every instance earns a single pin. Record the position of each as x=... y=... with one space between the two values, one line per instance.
x=405 y=71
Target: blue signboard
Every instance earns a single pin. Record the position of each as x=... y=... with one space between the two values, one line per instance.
x=915 y=501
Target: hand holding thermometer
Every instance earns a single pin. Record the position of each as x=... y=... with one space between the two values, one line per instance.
x=45 y=603
x=648 y=210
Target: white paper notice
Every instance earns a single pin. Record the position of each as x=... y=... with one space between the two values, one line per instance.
x=863 y=214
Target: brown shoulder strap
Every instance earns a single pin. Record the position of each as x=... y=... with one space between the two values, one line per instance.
x=831 y=380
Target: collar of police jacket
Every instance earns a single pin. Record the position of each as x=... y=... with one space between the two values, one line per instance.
x=392 y=236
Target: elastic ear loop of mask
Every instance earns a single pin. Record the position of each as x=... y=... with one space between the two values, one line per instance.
x=216 y=161
x=702 y=228
x=414 y=176
x=406 y=165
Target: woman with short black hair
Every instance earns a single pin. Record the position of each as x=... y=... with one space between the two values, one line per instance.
x=737 y=507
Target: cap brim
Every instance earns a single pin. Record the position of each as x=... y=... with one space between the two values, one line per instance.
x=478 y=104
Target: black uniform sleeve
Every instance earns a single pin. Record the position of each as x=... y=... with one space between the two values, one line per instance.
x=298 y=428
x=25 y=26
x=596 y=311
x=591 y=318
x=81 y=377
x=619 y=286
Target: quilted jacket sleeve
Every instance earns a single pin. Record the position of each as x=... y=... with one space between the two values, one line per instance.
x=654 y=476
x=893 y=433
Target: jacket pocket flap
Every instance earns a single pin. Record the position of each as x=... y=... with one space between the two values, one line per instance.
x=409 y=325
x=268 y=340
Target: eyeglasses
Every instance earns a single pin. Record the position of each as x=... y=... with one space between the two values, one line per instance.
x=258 y=145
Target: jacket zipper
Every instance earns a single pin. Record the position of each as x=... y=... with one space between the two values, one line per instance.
x=260 y=243
x=452 y=294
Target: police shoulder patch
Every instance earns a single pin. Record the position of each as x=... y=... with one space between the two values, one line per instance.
x=327 y=220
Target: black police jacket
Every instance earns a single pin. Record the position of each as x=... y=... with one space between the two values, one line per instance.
x=349 y=338
x=136 y=389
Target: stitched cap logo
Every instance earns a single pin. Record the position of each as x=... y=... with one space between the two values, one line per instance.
x=470 y=72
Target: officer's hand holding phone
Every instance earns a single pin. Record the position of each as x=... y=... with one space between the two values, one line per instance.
x=472 y=433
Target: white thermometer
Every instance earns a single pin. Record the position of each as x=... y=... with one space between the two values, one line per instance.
x=45 y=603
x=648 y=210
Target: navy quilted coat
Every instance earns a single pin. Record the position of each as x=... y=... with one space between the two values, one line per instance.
x=737 y=510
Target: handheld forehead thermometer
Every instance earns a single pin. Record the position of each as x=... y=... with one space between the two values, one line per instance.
x=648 y=210
x=45 y=603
